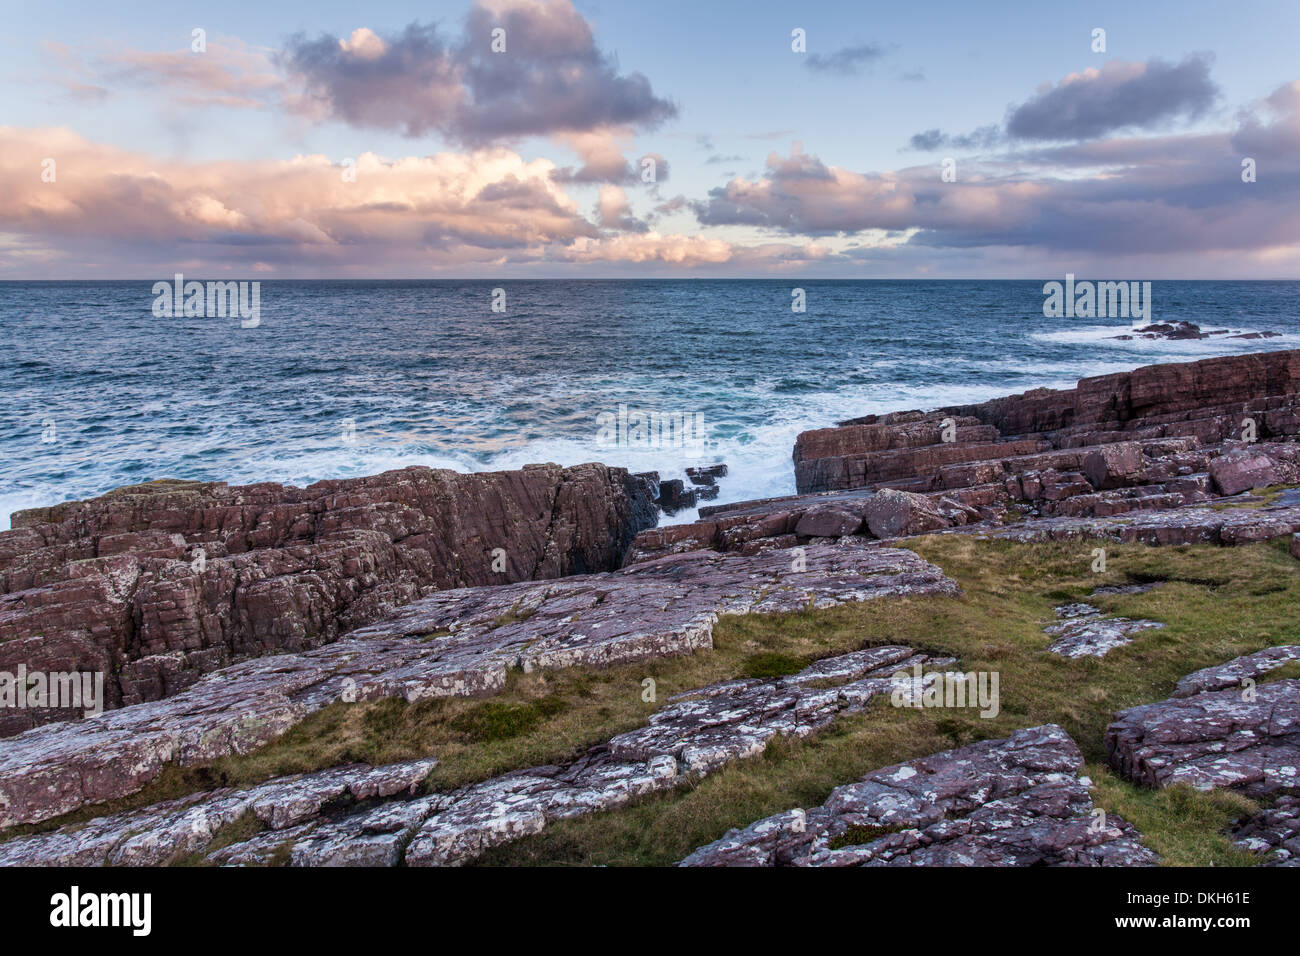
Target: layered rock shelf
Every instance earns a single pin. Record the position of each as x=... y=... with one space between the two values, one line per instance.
x=459 y=642
x=1222 y=728
x=169 y=831
x=1152 y=455
x=1274 y=833
x=693 y=735
x=157 y=584
x=1112 y=431
x=1245 y=737
x=1013 y=802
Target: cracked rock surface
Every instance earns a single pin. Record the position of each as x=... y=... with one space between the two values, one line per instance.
x=1231 y=674
x=1247 y=739
x=1274 y=833
x=1013 y=802
x=694 y=735
x=155 y=585
x=1084 y=632
x=459 y=642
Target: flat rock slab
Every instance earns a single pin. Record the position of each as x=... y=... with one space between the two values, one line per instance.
x=456 y=643
x=1084 y=632
x=693 y=735
x=1013 y=802
x=1234 y=672
x=165 y=831
x=1188 y=525
x=1246 y=740
x=1273 y=833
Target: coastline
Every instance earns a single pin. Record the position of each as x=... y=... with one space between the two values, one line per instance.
x=223 y=617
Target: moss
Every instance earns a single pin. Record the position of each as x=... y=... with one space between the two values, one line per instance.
x=773 y=664
x=860 y=835
x=237 y=831
x=1259 y=498
x=514 y=616
x=502 y=720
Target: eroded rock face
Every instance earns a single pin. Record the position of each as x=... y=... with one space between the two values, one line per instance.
x=454 y=643
x=1013 y=802
x=693 y=735
x=1247 y=739
x=158 y=584
x=1142 y=429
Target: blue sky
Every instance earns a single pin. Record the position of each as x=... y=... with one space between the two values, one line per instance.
x=196 y=167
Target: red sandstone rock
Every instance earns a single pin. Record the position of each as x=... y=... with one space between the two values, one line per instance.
x=891 y=513
x=1233 y=474
x=157 y=584
x=828 y=522
x=1207 y=402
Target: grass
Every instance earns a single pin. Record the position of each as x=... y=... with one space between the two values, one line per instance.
x=773 y=664
x=1217 y=603
x=1185 y=826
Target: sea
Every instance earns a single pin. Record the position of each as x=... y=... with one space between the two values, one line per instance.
x=345 y=378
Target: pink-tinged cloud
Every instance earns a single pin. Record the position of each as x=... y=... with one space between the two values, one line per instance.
x=1119 y=95
x=474 y=206
x=229 y=72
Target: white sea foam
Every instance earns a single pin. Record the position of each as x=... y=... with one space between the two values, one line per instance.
x=1105 y=336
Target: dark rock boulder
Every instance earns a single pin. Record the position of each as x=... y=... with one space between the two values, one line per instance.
x=707 y=475
x=828 y=522
x=674 y=496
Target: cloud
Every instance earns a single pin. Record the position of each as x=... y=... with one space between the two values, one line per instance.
x=448 y=206
x=229 y=73
x=551 y=78
x=613 y=211
x=847 y=61
x=1118 y=96
x=932 y=139
x=1168 y=195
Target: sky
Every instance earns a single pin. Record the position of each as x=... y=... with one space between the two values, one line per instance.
x=564 y=138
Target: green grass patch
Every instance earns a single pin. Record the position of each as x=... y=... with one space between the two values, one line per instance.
x=1185 y=826
x=773 y=664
